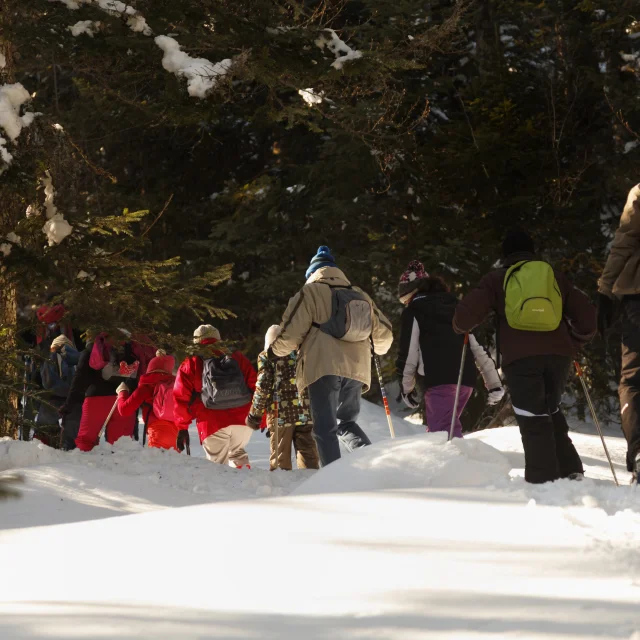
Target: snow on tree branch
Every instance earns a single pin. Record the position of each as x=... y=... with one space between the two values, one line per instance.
x=310 y=96
x=3 y=61
x=201 y=74
x=340 y=49
x=135 y=20
x=12 y=97
x=56 y=228
x=84 y=26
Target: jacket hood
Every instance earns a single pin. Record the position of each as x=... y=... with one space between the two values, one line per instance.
x=329 y=275
x=633 y=199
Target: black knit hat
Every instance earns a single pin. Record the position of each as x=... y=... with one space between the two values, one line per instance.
x=517 y=241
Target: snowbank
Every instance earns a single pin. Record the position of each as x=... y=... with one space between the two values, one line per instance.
x=421 y=461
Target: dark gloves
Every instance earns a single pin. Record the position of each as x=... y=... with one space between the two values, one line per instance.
x=254 y=422
x=605 y=314
x=64 y=411
x=182 y=440
x=267 y=433
x=411 y=399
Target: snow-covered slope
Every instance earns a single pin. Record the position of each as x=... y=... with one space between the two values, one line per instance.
x=416 y=539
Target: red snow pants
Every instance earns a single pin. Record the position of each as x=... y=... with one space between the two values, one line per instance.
x=94 y=412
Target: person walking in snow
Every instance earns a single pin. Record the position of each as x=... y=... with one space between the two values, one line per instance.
x=430 y=350
x=155 y=395
x=102 y=367
x=288 y=413
x=215 y=388
x=542 y=322
x=620 y=281
x=332 y=325
x=56 y=375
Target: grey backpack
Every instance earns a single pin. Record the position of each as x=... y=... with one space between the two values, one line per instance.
x=223 y=384
x=350 y=315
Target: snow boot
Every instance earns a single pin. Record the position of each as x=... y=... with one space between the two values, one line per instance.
x=579 y=477
x=636 y=470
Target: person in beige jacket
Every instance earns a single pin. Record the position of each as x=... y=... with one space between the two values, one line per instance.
x=334 y=371
x=621 y=280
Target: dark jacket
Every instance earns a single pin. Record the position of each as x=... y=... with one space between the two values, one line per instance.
x=429 y=347
x=56 y=374
x=578 y=326
x=89 y=382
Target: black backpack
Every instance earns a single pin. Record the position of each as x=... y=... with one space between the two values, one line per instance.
x=350 y=318
x=223 y=384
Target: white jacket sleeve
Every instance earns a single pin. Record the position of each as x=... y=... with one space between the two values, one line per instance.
x=485 y=364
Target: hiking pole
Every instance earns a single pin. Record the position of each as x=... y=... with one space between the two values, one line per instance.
x=106 y=422
x=595 y=417
x=385 y=402
x=457 y=400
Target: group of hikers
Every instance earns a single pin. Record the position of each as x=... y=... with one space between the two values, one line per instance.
x=316 y=363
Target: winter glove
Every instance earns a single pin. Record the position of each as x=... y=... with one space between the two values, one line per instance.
x=182 y=440
x=495 y=395
x=254 y=422
x=267 y=433
x=64 y=411
x=605 y=314
x=122 y=387
x=411 y=399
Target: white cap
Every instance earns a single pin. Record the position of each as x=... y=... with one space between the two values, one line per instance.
x=272 y=333
x=205 y=331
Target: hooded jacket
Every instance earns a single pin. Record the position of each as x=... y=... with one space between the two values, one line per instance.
x=431 y=349
x=279 y=377
x=621 y=274
x=577 y=328
x=188 y=387
x=320 y=354
x=162 y=433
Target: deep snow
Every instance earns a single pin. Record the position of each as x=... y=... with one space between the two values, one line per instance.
x=413 y=539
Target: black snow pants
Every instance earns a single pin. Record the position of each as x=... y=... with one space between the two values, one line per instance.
x=536 y=385
x=629 y=389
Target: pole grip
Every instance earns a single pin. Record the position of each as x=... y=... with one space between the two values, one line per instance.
x=576 y=364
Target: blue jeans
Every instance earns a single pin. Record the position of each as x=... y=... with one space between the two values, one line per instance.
x=335 y=406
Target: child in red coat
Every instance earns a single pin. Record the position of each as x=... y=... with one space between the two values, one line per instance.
x=162 y=431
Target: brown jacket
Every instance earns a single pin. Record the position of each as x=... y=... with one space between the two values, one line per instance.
x=578 y=327
x=320 y=354
x=621 y=274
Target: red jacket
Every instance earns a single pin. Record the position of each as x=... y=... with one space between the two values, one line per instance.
x=162 y=433
x=188 y=388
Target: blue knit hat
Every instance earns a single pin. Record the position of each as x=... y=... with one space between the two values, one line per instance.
x=323 y=258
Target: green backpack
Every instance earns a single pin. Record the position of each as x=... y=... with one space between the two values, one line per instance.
x=533 y=301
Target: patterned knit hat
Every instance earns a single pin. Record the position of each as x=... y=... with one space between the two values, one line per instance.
x=410 y=278
x=323 y=258
x=204 y=332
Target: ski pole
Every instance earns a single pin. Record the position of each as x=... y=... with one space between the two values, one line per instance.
x=456 y=401
x=595 y=417
x=277 y=430
x=106 y=422
x=385 y=402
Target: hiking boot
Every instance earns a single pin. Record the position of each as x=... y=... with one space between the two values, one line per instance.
x=636 y=470
x=579 y=477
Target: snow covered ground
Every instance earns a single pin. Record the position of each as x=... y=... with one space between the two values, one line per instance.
x=413 y=539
